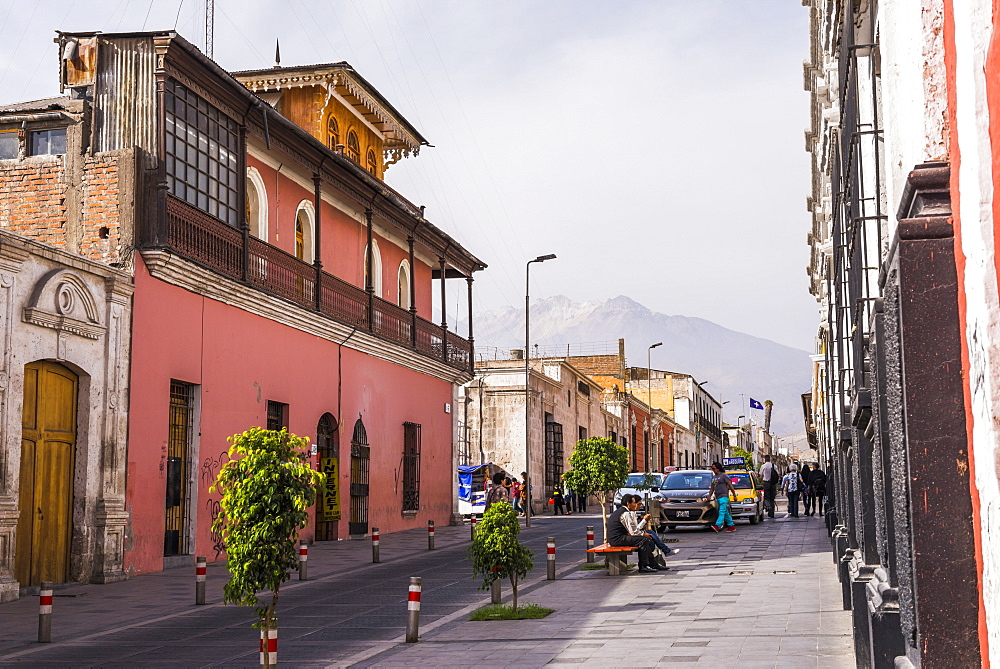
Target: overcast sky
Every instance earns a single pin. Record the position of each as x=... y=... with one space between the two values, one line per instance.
x=655 y=146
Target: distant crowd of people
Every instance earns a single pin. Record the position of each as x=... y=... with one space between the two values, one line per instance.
x=808 y=485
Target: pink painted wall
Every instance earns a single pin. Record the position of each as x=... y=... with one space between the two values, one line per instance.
x=241 y=361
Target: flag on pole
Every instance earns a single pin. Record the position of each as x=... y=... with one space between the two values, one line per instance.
x=754 y=404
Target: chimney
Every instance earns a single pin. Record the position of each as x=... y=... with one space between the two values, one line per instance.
x=621 y=359
x=517 y=354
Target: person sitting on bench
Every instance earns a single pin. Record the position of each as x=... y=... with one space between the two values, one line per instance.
x=625 y=530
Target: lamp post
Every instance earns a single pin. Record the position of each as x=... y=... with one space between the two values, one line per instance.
x=527 y=386
x=649 y=385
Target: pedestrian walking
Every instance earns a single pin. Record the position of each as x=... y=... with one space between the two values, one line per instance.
x=807 y=498
x=721 y=487
x=770 y=477
x=525 y=493
x=497 y=492
x=817 y=483
x=558 y=507
x=791 y=485
x=515 y=495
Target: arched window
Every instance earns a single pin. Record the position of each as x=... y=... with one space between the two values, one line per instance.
x=403 y=284
x=372 y=162
x=353 y=147
x=304 y=217
x=376 y=268
x=256 y=204
x=332 y=132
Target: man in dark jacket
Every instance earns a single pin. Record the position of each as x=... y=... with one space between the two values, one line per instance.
x=624 y=530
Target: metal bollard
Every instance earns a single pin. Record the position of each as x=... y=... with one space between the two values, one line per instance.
x=430 y=535
x=590 y=543
x=413 y=611
x=303 y=560
x=200 y=575
x=272 y=647
x=374 y=544
x=551 y=550
x=495 y=592
x=45 y=613
x=472 y=525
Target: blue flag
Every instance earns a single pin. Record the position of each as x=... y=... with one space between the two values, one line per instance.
x=754 y=404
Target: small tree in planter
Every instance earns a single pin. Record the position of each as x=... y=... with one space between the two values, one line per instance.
x=600 y=466
x=266 y=487
x=496 y=552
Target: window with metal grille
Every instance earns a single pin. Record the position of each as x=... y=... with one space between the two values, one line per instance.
x=332 y=133
x=353 y=146
x=411 y=467
x=553 y=456
x=202 y=145
x=360 y=457
x=645 y=450
x=581 y=433
x=372 y=162
x=179 y=468
x=277 y=415
x=635 y=450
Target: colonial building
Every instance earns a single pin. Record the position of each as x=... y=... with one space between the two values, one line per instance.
x=278 y=281
x=905 y=398
x=565 y=406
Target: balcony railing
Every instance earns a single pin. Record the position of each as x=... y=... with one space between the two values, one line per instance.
x=210 y=242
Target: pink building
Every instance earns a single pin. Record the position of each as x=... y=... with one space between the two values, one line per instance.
x=278 y=281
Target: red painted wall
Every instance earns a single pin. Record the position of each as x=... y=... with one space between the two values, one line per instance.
x=241 y=361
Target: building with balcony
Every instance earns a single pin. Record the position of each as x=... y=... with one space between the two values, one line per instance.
x=278 y=281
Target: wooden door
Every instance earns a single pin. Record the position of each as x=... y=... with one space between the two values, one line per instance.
x=45 y=500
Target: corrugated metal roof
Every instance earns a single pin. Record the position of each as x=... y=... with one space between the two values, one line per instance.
x=58 y=102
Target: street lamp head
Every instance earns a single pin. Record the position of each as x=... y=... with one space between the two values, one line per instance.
x=659 y=343
x=702 y=383
x=550 y=256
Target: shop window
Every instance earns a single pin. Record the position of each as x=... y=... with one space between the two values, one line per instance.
x=411 y=467
x=10 y=147
x=353 y=146
x=48 y=142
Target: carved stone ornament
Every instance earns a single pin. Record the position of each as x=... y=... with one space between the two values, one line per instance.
x=63 y=302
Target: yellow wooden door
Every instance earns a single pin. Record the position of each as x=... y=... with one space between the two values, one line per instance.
x=48 y=444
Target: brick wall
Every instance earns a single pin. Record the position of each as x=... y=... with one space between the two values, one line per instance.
x=34 y=196
x=32 y=199
x=597 y=365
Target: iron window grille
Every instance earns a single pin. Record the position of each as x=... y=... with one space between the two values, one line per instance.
x=553 y=456
x=411 y=467
x=277 y=415
x=179 y=468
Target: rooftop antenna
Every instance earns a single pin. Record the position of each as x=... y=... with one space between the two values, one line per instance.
x=277 y=53
x=209 y=28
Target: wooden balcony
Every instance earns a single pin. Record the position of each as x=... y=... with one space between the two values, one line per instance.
x=210 y=242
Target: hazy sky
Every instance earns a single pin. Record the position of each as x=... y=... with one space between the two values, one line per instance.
x=655 y=146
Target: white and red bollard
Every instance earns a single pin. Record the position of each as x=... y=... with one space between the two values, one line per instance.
x=200 y=576
x=430 y=535
x=550 y=550
x=413 y=610
x=45 y=612
x=590 y=542
x=303 y=560
x=271 y=648
x=374 y=544
x=472 y=533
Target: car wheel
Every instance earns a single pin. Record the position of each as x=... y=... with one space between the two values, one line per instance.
x=754 y=519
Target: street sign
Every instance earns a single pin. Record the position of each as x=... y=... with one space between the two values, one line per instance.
x=734 y=461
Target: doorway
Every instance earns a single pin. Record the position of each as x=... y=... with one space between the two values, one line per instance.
x=48 y=450
x=328 y=499
x=360 y=455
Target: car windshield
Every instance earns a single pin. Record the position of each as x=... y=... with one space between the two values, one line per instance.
x=688 y=480
x=642 y=480
x=741 y=481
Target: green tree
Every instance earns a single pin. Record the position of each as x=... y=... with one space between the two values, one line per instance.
x=496 y=552
x=267 y=486
x=745 y=454
x=600 y=466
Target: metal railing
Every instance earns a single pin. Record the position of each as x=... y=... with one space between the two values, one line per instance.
x=210 y=242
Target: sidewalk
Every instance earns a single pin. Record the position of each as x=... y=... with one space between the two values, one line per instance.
x=764 y=596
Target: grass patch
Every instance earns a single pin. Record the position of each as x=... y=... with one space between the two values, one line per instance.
x=504 y=612
x=593 y=566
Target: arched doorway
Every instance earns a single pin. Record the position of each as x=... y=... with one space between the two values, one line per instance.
x=45 y=498
x=360 y=455
x=328 y=499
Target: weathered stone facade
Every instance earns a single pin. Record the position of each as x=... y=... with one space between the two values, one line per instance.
x=60 y=308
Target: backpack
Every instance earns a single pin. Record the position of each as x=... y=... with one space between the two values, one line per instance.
x=819 y=480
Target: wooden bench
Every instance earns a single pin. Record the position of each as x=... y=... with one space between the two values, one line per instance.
x=614 y=554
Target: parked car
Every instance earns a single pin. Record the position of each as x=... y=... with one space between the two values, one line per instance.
x=641 y=484
x=749 y=502
x=682 y=499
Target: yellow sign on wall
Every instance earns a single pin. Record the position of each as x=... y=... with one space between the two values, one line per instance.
x=330 y=503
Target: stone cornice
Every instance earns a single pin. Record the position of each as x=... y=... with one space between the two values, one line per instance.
x=186 y=274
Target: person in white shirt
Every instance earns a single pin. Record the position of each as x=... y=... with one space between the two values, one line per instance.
x=769 y=477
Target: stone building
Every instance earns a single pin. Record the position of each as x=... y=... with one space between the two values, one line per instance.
x=565 y=407
x=64 y=380
x=905 y=112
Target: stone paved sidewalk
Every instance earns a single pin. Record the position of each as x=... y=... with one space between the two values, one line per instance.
x=764 y=596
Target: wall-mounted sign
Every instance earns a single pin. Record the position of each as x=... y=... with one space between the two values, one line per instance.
x=330 y=502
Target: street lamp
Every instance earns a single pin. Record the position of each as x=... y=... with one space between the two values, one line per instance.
x=649 y=385
x=527 y=387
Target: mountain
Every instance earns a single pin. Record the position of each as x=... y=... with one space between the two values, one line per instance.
x=732 y=362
